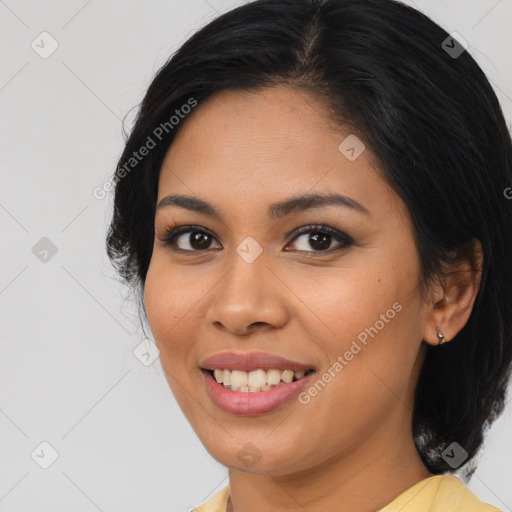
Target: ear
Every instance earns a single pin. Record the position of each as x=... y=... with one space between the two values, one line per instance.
x=454 y=296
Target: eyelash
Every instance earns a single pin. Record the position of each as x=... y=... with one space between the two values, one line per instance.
x=172 y=234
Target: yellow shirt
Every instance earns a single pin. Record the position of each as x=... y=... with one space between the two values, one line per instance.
x=438 y=493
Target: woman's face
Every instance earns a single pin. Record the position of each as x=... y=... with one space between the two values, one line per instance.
x=345 y=303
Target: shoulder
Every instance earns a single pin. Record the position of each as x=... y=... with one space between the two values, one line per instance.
x=454 y=494
x=439 y=493
x=215 y=504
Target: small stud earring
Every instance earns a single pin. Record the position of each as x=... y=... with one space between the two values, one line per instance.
x=440 y=337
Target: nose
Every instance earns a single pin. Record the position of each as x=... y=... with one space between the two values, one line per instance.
x=248 y=298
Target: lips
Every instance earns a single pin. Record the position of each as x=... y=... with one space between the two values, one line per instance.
x=247 y=403
x=251 y=361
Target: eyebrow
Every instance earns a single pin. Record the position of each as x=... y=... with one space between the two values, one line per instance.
x=275 y=210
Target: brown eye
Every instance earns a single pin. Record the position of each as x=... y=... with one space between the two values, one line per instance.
x=189 y=239
x=320 y=239
x=197 y=240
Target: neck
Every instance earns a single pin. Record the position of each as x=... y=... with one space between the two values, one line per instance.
x=366 y=480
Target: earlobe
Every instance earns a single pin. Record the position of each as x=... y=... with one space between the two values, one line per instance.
x=460 y=285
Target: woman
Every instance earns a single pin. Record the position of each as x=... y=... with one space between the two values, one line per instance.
x=312 y=208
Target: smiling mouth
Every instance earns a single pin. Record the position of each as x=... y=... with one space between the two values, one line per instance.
x=257 y=380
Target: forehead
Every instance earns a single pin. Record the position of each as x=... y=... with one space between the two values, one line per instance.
x=267 y=140
x=281 y=115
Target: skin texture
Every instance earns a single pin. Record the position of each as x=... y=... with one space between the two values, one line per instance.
x=351 y=447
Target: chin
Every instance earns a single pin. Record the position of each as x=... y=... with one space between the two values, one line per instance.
x=245 y=456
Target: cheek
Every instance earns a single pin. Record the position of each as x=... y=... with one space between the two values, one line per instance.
x=168 y=296
x=370 y=318
x=344 y=303
x=168 y=307
x=166 y=304
x=158 y=301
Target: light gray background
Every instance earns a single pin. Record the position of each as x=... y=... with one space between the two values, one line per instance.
x=68 y=375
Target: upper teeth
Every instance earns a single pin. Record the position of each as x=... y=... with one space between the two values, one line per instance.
x=255 y=380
